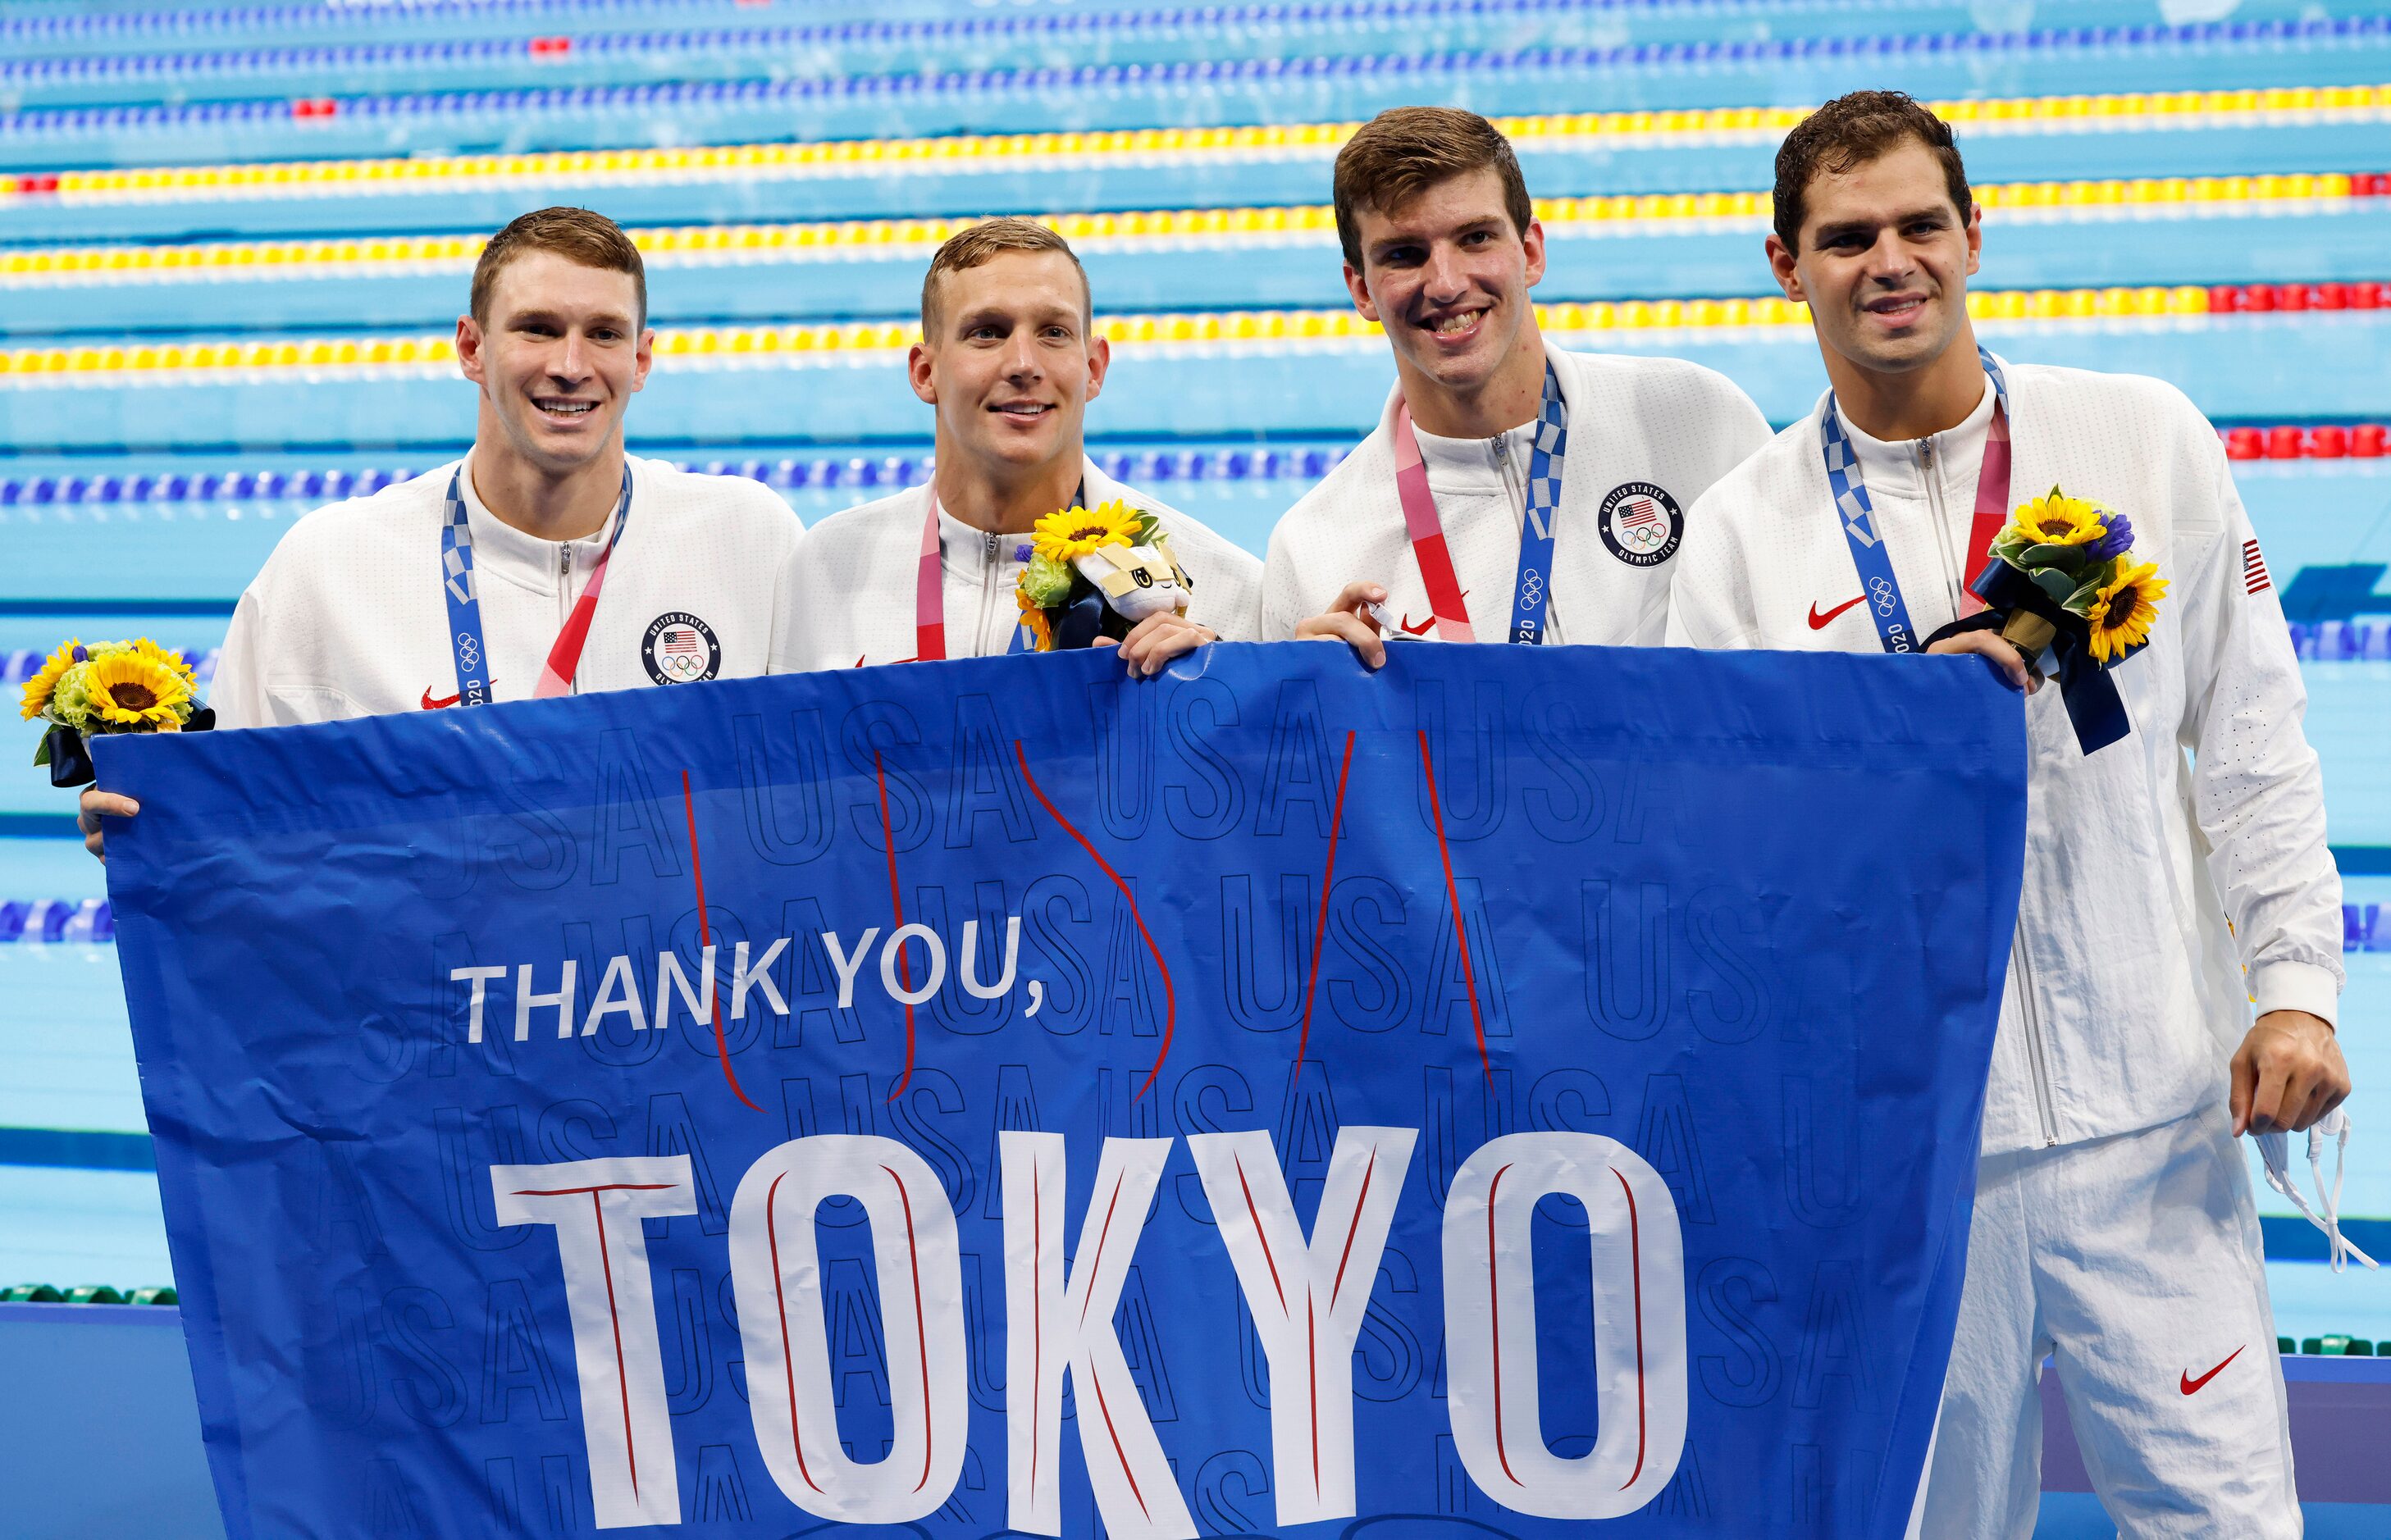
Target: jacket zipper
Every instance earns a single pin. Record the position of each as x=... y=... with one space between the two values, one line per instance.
x=564 y=598
x=989 y=541
x=1499 y=446
x=1940 y=517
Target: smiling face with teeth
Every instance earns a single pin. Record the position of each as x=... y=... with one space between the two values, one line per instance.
x=1447 y=273
x=561 y=354
x=1883 y=264
x=1010 y=360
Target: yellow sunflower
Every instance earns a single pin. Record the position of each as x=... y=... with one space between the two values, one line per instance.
x=2058 y=520
x=1077 y=530
x=39 y=687
x=129 y=689
x=145 y=648
x=1040 y=624
x=2123 y=611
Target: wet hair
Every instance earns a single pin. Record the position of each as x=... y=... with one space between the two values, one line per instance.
x=984 y=242
x=1849 y=132
x=1405 y=150
x=576 y=234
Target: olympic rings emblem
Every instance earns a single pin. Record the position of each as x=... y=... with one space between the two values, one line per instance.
x=1531 y=588
x=1883 y=595
x=469 y=652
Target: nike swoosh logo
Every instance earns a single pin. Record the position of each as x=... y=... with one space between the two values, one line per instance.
x=2190 y=1385
x=1421 y=629
x=1818 y=622
x=432 y=705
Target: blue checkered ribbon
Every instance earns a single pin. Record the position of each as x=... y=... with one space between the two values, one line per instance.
x=464 y=595
x=1858 y=515
x=1532 y=593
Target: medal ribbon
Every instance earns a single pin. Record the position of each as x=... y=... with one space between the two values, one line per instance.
x=1531 y=590
x=1886 y=605
x=457 y=581
x=930 y=591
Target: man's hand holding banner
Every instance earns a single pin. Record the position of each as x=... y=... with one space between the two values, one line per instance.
x=1522 y=1086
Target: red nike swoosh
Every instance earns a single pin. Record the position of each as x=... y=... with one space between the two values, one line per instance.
x=2192 y=1385
x=1818 y=622
x=432 y=705
x=1421 y=629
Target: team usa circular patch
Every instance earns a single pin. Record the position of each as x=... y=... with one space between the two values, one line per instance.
x=1641 y=523
x=680 y=650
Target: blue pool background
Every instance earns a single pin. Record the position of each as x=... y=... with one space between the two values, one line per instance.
x=1231 y=432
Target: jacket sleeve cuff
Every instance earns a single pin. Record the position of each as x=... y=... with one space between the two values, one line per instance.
x=2296 y=986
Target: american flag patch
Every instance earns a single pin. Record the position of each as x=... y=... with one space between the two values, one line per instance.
x=2253 y=570
x=1637 y=512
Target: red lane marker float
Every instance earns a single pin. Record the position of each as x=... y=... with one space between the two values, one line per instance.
x=705 y=938
x=1319 y=921
x=1453 y=896
x=897 y=901
x=1170 y=995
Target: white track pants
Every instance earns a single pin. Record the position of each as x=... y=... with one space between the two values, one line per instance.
x=2135 y=1263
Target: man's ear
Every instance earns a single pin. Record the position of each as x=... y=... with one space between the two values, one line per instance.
x=917 y=374
x=1100 y=362
x=1532 y=238
x=645 y=358
x=1781 y=267
x=1360 y=293
x=1976 y=237
x=468 y=349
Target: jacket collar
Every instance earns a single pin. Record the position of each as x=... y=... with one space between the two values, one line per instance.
x=1564 y=368
x=526 y=561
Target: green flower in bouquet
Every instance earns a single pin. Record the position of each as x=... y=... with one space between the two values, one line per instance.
x=135 y=686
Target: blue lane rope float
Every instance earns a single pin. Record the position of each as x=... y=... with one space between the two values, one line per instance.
x=1044 y=81
x=984 y=30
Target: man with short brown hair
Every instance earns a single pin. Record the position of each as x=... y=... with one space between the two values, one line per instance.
x=482 y=579
x=1009 y=360
x=1511 y=491
x=2113 y=1228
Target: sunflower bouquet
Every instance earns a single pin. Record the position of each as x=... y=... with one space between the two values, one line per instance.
x=2064 y=578
x=82 y=689
x=1096 y=573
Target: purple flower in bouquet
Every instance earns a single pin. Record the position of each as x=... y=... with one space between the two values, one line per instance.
x=2116 y=537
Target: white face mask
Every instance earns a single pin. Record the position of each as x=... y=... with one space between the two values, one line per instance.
x=2274 y=1148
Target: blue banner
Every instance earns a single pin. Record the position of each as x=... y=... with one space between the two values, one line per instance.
x=1524 y=1086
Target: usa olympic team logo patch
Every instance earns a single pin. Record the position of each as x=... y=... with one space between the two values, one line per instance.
x=1641 y=523
x=680 y=650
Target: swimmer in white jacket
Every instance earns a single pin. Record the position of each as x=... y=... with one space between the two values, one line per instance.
x=2114 y=1227
x=1009 y=361
x=547 y=561
x=1511 y=491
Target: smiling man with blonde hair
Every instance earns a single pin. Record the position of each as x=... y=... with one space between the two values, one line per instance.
x=1008 y=362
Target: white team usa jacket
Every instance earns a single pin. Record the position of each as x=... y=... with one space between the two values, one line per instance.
x=1647 y=438
x=851 y=590
x=2125 y=990
x=348 y=618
